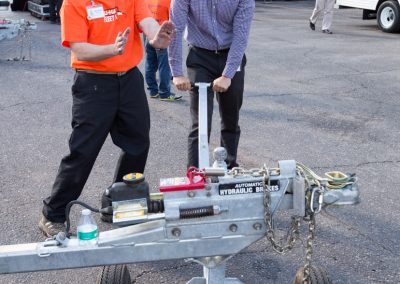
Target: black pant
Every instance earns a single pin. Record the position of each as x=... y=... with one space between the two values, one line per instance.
x=102 y=104
x=206 y=66
x=54 y=9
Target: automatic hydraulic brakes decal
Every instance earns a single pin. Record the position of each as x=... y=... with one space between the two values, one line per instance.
x=247 y=187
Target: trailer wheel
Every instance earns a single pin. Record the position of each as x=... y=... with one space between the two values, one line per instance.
x=389 y=16
x=114 y=274
x=318 y=275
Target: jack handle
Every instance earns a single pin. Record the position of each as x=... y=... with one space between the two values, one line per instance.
x=193 y=84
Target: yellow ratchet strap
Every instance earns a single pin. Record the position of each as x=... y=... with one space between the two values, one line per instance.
x=332 y=180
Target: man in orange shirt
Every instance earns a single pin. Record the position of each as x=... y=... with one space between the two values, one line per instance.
x=157 y=58
x=108 y=93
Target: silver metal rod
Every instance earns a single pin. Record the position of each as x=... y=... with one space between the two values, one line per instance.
x=33 y=257
x=204 y=160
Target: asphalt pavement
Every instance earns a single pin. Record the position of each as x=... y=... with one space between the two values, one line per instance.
x=328 y=101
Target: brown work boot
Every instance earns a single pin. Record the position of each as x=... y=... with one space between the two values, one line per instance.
x=50 y=229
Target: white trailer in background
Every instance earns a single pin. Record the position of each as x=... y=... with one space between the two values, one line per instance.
x=387 y=12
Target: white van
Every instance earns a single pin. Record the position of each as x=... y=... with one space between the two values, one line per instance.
x=387 y=12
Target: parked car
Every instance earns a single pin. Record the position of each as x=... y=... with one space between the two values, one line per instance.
x=387 y=12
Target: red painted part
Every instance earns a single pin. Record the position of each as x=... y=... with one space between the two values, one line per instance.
x=195 y=180
x=190 y=186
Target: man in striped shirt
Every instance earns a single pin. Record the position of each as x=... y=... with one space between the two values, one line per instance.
x=217 y=34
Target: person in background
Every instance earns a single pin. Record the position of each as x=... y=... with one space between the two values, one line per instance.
x=54 y=11
x=157 y=58
x=217 y=34
x=325 y=6
x=108 y=95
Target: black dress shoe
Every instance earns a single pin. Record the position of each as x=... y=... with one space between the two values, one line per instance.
x=312 y=26
x=327 y=31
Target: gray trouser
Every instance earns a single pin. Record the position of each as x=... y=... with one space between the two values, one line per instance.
x=327 y=7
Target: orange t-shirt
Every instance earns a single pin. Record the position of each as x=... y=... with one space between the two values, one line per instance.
x=159 y=9
x=118 y=15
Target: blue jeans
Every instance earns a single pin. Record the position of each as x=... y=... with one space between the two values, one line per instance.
x=157 y=59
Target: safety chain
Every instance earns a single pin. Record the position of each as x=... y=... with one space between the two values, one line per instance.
x=309 y=249
x=311 y=230
x=236 y=171
x=293 y=232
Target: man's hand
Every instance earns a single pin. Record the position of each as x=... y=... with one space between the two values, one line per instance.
x=221 y=84
x=182 y=83
x=85 y=51
x=120 y=42
x=164 y=35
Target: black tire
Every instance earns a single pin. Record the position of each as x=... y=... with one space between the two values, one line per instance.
x=114 y=274
x=318 y=275
x=389 y=16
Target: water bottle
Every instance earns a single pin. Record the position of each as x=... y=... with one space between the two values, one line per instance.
x=87 y=231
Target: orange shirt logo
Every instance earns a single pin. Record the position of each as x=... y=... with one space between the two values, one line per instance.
x=110 y=15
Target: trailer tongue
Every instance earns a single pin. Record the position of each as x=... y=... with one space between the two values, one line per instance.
x=206 y=217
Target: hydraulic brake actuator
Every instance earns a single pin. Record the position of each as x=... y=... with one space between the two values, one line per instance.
x=217 y=215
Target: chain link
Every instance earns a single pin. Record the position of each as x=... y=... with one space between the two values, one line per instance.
x=311 y=229
x=309 y=249
x=255 y=172
x=293 y=232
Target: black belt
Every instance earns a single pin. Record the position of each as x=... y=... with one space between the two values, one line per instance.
x=119 y=74
x=218 y=51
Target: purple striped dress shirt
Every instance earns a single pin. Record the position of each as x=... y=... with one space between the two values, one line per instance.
x=213 y=25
